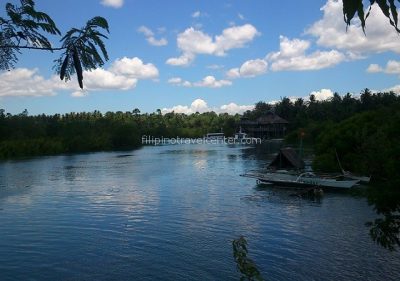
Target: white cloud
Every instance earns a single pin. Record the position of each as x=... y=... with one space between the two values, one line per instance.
x=201 y=106
x=192 y=42
x=146 y=31
x=149 y=34
x=233 y=73
x=27 y=82
x=197 y=105
x=196 y=14
x=250 y=68
x=113 y=3
x=292 y=56
x=101 y=79
x=79 y=94
x=330 y=31
x=233 y=108
x=374 y=68
x=290 y=48
x=206 y=82
x=395 y=89
x=392 y=67
x=234 y=37
x=196 y=42
x=211 y=82
x=240 y=16
x=122 y=75
x=322 y=94
x=134 y=68
x=183 y=60
x=177 y=81
x=253 y=68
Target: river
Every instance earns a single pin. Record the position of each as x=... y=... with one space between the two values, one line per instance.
x=170 y=213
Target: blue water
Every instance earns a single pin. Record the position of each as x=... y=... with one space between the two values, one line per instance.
x=170 y=213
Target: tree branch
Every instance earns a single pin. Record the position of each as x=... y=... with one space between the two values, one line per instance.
x=32 y=48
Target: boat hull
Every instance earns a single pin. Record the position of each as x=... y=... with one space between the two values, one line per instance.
x=303 y=180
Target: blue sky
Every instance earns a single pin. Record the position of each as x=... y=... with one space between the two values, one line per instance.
x=205 y=55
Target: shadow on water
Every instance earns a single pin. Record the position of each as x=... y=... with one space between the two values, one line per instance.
x=269 y=194
x=261 y=152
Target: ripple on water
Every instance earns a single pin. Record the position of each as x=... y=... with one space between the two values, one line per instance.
x=170 y=213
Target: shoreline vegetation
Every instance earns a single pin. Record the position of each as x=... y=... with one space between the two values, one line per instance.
x=363 y=130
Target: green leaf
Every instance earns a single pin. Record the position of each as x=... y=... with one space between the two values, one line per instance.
x=64 y=67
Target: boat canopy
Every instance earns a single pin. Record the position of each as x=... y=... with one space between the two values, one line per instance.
x=287 y=158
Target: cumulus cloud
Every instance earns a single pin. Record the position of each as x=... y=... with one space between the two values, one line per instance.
x=101 y=79
x=233 y=108
x=374 y=68
x=201 y=106
x=206 y=82
x=322 y=94
x=395 y=89
x=113 y=3
x=183 y=60
x=250 y=68
x=192 y=42
x=28 y=82
x=124 y=74
x=392 y=67
x=150 y=38
x=212 y=82
x=330 y=31
x=134 y=68
x=253 y=68
x=233 y=73
x=292 y=56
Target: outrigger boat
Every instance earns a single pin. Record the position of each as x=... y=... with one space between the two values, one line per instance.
x=287 y=169
x=306 y=179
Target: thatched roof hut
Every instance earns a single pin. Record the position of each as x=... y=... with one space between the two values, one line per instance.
x=287 y=158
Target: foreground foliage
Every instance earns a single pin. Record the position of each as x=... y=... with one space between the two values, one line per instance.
x=244 y=264
x=26 y=28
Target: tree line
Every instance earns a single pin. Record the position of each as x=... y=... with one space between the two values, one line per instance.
x=22 y=135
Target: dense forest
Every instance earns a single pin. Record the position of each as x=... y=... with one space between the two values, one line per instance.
x=24 y=135
x=363 y=130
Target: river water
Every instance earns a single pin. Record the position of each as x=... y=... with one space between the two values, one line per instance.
x=170 y=213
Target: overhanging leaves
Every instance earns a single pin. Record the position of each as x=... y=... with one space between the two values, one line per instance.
x=22 y=29
x=388 y=8
x=86 y=48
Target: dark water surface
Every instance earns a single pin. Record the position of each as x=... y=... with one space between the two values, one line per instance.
x=170 y=213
